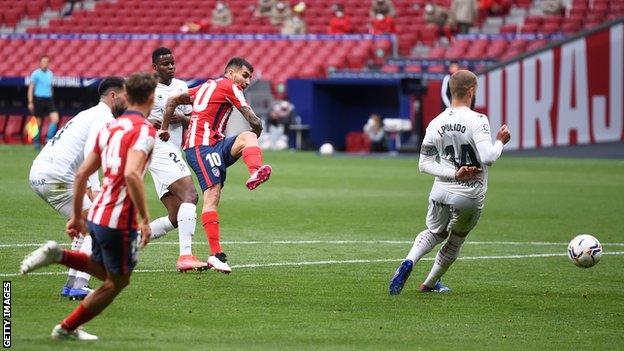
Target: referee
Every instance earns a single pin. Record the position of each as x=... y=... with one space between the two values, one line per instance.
x=40 y=102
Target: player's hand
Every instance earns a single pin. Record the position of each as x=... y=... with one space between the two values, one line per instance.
x=467 y=173
x=163 y=134
x=504 y=135
x=76 y=226
x=146 y=232
x=31 y=107
x=156 y=124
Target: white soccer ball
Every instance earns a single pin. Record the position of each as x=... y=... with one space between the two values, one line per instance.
x=326 y=149
x=584 y=251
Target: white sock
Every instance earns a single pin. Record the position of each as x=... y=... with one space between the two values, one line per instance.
x=71 y=274
x=187 y=219
x=444 y=259
x=160 y=227
x=424 y=243
x=82 y=278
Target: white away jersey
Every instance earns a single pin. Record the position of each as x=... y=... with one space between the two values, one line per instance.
x=162 y=94
x=454 y=133
x=63 y=154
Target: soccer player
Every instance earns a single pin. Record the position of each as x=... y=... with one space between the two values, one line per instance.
x=171 y=175
x=40 y=98
x=208 y=151
x=123 y=151
x=457 y=150
x=53 y=170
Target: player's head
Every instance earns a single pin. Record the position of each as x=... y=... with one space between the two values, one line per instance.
x=453 y=67
x=463 y=85
x=44 y=62
x=140 y=89
x=113 y=93
x=239 y=70
x=163 y=64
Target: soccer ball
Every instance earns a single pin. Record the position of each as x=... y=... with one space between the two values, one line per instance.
x=326 y=149
x=584 y=251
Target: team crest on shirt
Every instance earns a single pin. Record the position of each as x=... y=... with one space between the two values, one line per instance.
x=486 y=127
x=216 y=171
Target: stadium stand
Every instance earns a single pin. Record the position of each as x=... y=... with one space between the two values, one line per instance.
x=496 y=37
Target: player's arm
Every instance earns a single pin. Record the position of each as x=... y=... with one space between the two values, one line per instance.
x=172 y=103
x=428 y=163
x=254 y=121
x=94 y=179
x=488 y=151
x=133 y=174
x=76 y=224
x=31 y=89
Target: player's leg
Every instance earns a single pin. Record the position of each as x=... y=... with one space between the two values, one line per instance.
x=438 y=217
x=210 y=165
x=54 y=121
x=246 y=145
x=92 y=306
x=63 y=203
x=184 y=191
x=210 y=221
x=117 y=252
x=465 y=213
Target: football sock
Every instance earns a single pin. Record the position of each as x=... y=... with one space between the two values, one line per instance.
x=252 y=156
x=82 y=278
x=424 y=243
x=78 y=317
x=160 y=227
x=75 y=259
x=71 y=275
x=51 y=130
x=210 y=221
x=444 y=259
x=187 y=218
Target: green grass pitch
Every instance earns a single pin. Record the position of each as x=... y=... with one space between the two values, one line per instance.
x=313 y=250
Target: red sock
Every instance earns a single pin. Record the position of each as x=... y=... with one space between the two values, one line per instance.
x=78 y=317
x=252 y=156
x=75 y=259
x=210 y=221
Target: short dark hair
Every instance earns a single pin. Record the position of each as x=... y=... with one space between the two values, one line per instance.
x=460 y=82
x=139 y=86
x=44 y=56
x=239 y=62
x=110 y=83
x=161 y=51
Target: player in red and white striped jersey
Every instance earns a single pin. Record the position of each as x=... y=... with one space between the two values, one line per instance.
x=207 y=149
x=123 y=149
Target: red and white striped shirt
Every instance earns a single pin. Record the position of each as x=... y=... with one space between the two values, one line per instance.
x=113 y=207
x=212 y=105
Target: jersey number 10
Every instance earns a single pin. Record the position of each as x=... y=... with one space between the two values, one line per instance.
x=467 y=156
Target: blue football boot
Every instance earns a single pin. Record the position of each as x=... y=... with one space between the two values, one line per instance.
x=400 y=277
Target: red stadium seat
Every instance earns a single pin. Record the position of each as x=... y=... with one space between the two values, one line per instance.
x=3 y=120
x=13 y=133
x=357 y=142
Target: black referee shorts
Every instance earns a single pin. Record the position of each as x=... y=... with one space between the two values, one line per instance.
x=43 y=106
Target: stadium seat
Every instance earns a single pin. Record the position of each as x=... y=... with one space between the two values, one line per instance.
x=357 y=142
x=13 y=131
x=3 y=120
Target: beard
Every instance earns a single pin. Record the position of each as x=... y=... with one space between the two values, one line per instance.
x=118 y=110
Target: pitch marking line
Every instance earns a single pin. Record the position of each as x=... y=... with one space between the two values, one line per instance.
x=335 y=242
x=318 y=263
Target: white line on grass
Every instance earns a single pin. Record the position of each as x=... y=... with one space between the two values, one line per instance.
x=336 y=242
x=317 y=263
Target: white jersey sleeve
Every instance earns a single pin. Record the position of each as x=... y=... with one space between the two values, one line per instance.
x=97 y=125
x=162 y=94
x=429 y=161
x=481 y=134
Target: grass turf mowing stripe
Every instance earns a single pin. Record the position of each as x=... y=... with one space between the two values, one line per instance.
x=316 y=263
x=338 y=242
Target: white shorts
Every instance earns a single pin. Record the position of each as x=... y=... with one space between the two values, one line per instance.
x=166 y=166
x=452 y=212
x=57 y=194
